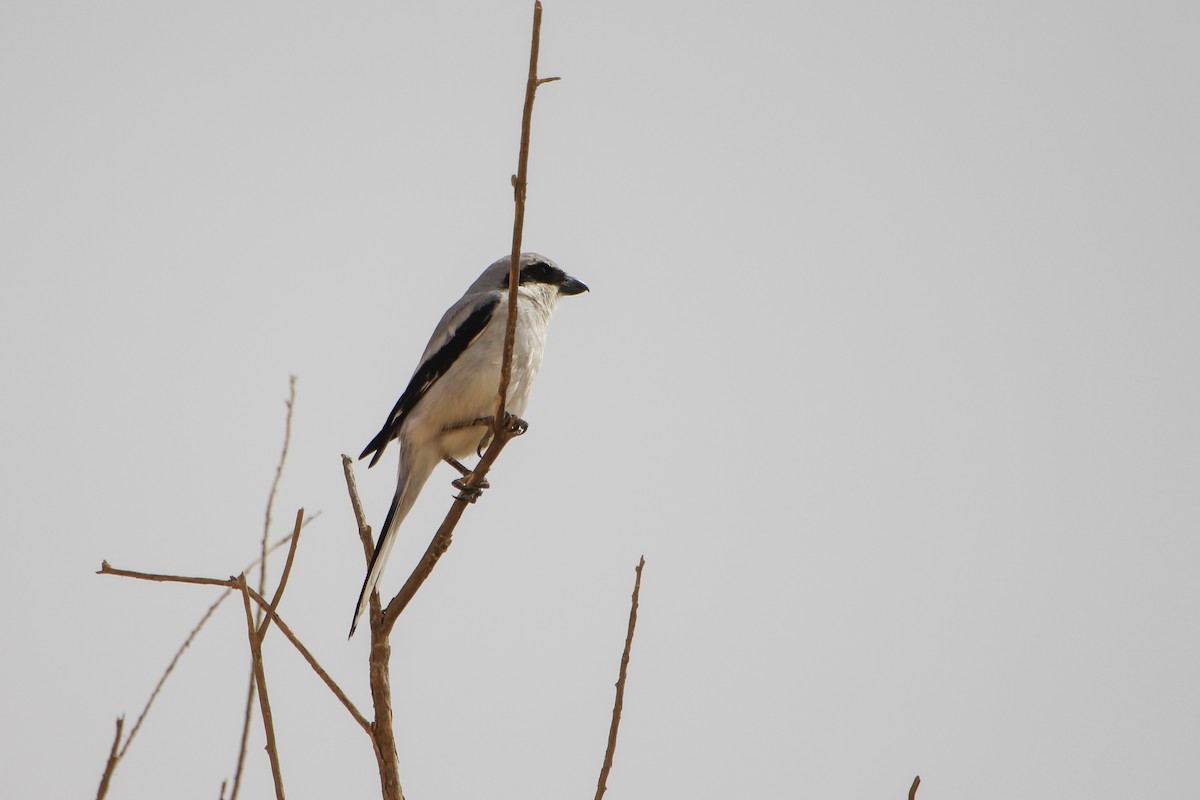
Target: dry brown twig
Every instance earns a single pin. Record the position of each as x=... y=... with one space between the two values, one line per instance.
x=283 y=579
x=520 y=187
x=912 y=792
x=231 y=583
x=287 y=440
x=619 y=703
x=383 y=619
x=262 y=581
x=113 y=758
x=264 y=702
x=504 y=428
x=271 y=615
x=192 y=636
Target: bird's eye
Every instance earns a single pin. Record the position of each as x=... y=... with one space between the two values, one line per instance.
x=541 y=272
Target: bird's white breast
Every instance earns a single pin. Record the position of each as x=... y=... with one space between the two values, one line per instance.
x=468 y=389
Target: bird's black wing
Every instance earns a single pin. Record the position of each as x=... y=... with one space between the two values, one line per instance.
x=427 y=374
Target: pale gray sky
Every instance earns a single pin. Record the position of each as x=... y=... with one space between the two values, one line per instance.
x=888 y=368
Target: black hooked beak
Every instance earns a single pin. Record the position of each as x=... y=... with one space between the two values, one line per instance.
x=571 y=286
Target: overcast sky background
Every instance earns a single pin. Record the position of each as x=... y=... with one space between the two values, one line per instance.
x=889 y=369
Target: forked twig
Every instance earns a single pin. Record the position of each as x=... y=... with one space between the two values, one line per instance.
x=283 y=579
x=137 y=725
x=602 y=785
x=231 y=583
x=264 y=702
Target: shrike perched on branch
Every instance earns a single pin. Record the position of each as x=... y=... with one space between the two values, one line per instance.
x=445 y=413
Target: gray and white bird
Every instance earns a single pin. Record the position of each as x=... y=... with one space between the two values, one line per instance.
x=456 y=383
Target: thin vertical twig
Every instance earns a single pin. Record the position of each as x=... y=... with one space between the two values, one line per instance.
x=383 y=620
x=602 y=785
x=264 y=702
x=912 y=792
x=283 y=579
x=503 y=430
x=287 y=440
x=113 y=757
x=520 y=185
x=247 y=715
x=364 y=530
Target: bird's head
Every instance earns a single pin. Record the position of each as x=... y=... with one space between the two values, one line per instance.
x=539 y=270
x=539 y=275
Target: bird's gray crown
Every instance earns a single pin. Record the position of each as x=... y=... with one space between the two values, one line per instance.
x=535 y=268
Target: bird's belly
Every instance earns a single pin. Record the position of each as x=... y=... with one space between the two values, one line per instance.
x=468 y=392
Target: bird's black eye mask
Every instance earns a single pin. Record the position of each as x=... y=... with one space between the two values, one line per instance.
x=538 y=272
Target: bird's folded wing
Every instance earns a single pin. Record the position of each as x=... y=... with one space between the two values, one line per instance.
x=435 y=365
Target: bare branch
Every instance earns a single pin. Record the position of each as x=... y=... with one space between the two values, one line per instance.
x=247 y=717
x=107 y=569
x=912 y=792
x=520 y=186
x=281 y=541
x=503 y=429
x=443 y=538
x=262 y=582
x=264 y=702
x=364 y=530
x=383 y=734
x=375 y=611
x=287 y=440
x=619 y=703
x=137 y=726
x=312 y=662
x=170 y=668
x=287 y=570
x=262 y=603
x=113 y=758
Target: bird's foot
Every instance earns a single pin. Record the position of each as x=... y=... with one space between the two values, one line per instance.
x=461 y=485
x=469 y=493
x=515 y=425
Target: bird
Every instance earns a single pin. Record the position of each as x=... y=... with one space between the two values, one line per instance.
x=444 y=413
